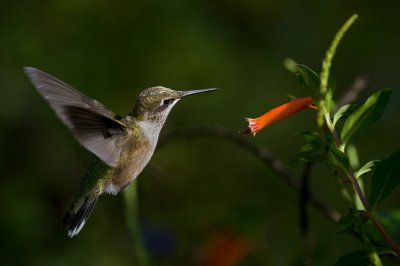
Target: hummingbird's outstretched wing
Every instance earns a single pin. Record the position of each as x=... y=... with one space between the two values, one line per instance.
x=93 y=124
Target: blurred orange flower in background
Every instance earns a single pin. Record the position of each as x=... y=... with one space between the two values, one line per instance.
x=222 y=248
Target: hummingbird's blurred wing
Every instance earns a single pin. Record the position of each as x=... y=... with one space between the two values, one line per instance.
x=93 y=124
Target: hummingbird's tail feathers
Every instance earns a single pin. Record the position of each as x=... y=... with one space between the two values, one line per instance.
x=76 y=217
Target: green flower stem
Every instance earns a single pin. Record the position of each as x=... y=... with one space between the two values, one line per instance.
x=352 y=154
x=325 y=100
x=343 y=191
x=326 y=64
x=373 y=255
x=358 y=203
x=357 y=187
x=324 y=121
x=384 y=234
x=131 y=216
x=350 y=173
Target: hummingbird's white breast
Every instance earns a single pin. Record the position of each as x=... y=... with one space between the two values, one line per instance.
x=136 y=156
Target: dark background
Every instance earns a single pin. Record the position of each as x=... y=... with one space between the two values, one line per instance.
x=205 y=193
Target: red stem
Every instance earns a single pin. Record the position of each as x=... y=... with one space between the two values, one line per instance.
x=365 y=203
x=385 y=235
x=360 y=194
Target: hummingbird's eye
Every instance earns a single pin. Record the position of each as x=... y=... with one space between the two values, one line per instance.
x=167 y=101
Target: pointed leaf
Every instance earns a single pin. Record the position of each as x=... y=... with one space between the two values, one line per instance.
x=337 y=157
x=361 y=257
x=308 y=153
x=347 y=221
x=366 y=114
x=311 y=136
x=366 y=168
x=391 y=221
x=329 y=102
x=343 y=112
x=386 y=178
x=308 y=79
x=352 y=154
x=312 y=151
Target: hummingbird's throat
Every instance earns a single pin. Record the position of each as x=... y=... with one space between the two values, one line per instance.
x=151 y=130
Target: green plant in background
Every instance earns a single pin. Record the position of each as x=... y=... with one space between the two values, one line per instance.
x=133 y=223
x=332 y=144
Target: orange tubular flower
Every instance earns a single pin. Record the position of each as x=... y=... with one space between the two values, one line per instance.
x=277 y=113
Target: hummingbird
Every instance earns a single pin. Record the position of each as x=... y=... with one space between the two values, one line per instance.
x=122 y=146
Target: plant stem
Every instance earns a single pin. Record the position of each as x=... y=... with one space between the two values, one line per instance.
x=276 y=165
x=358 y=189
x=345 y=194
x=325 y=102
x=373 y=255
x=364 y=201
x=326 y=64
x=349 y=172
x=384 y=234
x=131 y=215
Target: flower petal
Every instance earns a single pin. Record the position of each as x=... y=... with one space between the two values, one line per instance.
x=278 y=113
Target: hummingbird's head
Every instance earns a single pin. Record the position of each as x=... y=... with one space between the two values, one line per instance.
x=154 y=104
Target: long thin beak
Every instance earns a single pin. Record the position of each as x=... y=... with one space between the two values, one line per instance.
x=188 y=93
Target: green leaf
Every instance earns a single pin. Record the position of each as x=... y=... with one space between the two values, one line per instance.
x=308 y=79
x=311 y=136
x=329 y=103
x=347 y=221
x=366 y=114
x=312 y=151
x=366 y=168
x=337 y=157
x=352 y=154
x=308 y=153
x=343 y=112
x=391 y=221
x=385 y=179
x=361 y=257
x=290 y=65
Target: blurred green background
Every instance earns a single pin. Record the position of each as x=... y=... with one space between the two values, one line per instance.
x=200 y=198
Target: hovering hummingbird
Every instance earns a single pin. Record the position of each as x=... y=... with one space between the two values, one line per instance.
x=122 y=145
